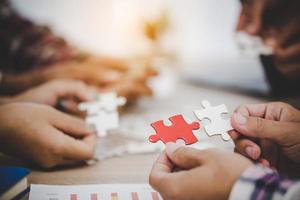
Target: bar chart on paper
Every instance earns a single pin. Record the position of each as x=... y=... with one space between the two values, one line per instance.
x=93 y=192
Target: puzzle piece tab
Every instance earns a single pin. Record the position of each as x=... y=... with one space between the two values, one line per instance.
x=179 y=129
x=218 y=126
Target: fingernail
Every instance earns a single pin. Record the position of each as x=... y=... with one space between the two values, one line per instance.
x=249 y=151
x=172 y=147
x=240 y=119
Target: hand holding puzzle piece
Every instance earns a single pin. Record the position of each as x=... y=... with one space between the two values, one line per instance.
x=180 y=129
x=103 y=114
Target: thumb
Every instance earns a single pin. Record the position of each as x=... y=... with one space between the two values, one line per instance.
x=80 y=149
x=183 y=157
x=257 y=127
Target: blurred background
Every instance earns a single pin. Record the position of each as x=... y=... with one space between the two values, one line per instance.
x=197 y=37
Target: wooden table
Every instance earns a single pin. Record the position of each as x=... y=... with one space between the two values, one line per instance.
x=135 y=168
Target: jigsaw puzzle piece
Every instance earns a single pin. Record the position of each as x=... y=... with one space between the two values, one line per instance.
x=104 y=101
x=91 y=108
x=110 y=101
x=102 y=113
x=210 y=112
x=218 y=125
x=179 y=129
x=103 y=122
x=211 y=131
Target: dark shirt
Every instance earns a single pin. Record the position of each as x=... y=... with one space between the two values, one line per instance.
x=25 y=46
x=280 y=84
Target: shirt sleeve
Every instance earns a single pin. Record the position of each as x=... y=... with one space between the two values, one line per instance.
x=1 y=76
x=261 y=183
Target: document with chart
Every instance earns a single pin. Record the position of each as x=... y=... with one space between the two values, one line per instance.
x=93 y=192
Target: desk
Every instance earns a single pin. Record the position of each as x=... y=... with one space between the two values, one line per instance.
x=127 y=169
x=135 y=168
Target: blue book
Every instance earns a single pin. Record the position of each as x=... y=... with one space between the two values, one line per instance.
x=13 y=182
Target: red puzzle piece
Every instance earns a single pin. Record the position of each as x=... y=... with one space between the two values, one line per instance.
x=179 y=129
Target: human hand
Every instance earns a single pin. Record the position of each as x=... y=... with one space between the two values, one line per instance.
x=205 y=174
x=277 y=23
x=269 y=133
x=128 y=78
x=43 y=135
x=73 y=92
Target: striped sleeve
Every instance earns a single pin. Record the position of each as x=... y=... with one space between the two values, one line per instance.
x=260 y=183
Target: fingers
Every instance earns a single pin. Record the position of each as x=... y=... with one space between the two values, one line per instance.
x=234 y=135
x=79 y=140
x=184 y=157
x=257 y=110
x=163 y=180
x=288 y=34
x=79 y=149
x=61 y=149
x=277 y=111
x=160 y=170
x=70 y=88
x=69 y=106
x=257 y=127
x=70 y=125
x=175 y=155
x=255 y=26
x=288 y=54
x=105 y=77
x=248 y=148
x=242 y=21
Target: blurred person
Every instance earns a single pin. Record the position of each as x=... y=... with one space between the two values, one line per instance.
x=32 y=130
x=32 y=54
x=277 y=23
x=268 y=134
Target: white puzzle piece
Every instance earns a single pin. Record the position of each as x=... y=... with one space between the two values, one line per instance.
x=91 y=108
x=218 y=126
x=103 y=122
x=103 y=114
x=106 y=101
x=110 y=101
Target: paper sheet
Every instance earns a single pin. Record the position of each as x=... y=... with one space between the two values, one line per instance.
x=93 y=192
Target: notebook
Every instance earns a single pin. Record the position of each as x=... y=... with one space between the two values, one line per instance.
x=13 y=182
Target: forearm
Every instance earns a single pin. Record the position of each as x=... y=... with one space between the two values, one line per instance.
x=14 y=84
x=259 y=183
x=4 y=100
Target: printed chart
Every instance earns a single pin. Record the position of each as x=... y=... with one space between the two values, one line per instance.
x=93 y=192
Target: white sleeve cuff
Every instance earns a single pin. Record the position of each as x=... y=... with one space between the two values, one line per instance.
x=293 y=193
